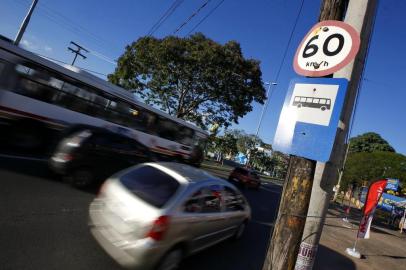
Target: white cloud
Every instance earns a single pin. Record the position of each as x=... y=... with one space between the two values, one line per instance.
x=35 y=45
x=28 y=44
x=48 y=49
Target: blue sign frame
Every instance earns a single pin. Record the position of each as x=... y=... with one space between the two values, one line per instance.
x=312 y=141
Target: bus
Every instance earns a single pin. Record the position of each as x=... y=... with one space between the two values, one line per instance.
x=39 y=99
x=312 y=102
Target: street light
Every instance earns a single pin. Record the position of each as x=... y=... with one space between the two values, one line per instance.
x=265 y=105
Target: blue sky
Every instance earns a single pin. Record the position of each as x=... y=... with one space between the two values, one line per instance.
x=262 y=27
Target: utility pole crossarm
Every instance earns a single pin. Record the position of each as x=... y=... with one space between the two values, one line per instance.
x=77 y=51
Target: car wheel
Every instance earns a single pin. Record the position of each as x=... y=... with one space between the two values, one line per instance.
x=240 y=231
x=171 y=260
x=82 y=178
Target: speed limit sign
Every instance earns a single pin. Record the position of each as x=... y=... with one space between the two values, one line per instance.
x=328 y=47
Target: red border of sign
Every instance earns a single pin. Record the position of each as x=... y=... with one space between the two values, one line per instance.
x=353 y=52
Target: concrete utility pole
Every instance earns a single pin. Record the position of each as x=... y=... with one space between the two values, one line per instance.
x=77 y=51
x=360 y=14
x=25 y=23
x=290 y=232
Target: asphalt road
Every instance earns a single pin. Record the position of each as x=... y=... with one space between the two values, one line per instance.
x=43 y=225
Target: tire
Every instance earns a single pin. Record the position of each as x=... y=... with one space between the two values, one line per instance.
x=82 y=178
x=171 y=260
x=323 y=108
x=240 y=231
x=299 y=105
x=243 y=185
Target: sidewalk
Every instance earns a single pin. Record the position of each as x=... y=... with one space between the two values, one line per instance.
x=385 y=249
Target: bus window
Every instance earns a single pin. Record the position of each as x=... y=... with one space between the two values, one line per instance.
x=328 y=101
x=297 y=98
x=167 y=129
x=33 y=83
x=151 y=126
x=1 y=66
x=322 y=101
x=75 y=98
x=185 y=136
x=309 y=100
x=303 y=99
x=316 y=100
x=138 y=118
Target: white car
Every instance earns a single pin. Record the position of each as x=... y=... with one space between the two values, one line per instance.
x=153 y=215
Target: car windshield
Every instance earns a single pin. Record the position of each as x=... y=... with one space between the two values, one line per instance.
x=150 y=185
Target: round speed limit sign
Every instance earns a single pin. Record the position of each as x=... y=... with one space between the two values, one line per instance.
x=328 y=47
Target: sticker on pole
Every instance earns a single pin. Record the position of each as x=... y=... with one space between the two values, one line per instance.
x=328 y=47
x=310 y=117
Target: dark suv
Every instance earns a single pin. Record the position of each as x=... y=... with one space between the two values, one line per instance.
x=91 y=154
x=245 y=177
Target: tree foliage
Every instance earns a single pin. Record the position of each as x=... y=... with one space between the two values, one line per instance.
x=226 y=144
x=369 y=142
x=245 y=142
x=364 y=166
x=280 y=163
x=260 y=160
x=193 y=78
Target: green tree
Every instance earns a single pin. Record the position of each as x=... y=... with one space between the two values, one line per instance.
x=364 y=166
x=266 y=146
x=260 y=160
x=193 y=78
x=369 y=142
x=280 y=163
x=226 y=144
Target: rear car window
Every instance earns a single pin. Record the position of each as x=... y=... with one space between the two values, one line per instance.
x=151 y=185
x=241 y=171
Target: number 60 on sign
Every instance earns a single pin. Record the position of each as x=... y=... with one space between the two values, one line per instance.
x=328 y=47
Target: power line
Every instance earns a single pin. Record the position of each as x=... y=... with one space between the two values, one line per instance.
x=62 y=62
x=164 y=17
x=102 y=56
x=74 y=28
x=287 y=46
x=70 y=25
x=83 y=29
x=191 y=17
x=205 y=17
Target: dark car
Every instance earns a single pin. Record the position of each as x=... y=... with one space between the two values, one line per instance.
x=90 y=154
x=245 y=177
